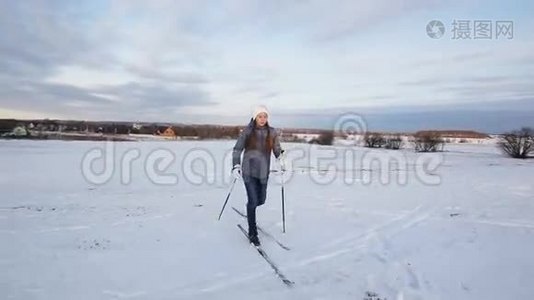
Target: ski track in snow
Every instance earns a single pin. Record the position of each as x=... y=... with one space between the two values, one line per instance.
x=357 y=243
x=67 y=228
x=124 y=295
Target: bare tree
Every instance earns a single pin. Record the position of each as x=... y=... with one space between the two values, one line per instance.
x=393 y=142
x=518 y=143
x=373 y=140
x=325 y=138
x=428 y=141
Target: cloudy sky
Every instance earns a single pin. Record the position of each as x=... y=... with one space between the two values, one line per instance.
x=308 y=61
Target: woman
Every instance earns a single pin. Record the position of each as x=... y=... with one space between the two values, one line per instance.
x=258 y=140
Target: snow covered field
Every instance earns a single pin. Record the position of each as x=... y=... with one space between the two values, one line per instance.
x=455 y=225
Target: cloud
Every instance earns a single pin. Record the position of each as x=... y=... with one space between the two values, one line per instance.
x=495 y=118
x=322 y=22
x=140 y=96
x=30 y=47
x=168 y=77
x=44 y=37
x=117 y=101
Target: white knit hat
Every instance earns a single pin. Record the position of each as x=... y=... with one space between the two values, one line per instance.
x=258 y=110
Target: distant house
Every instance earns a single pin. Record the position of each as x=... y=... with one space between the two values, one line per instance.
x=457 y=136
x=19 y=131
x=166 y=132
x=307 y=137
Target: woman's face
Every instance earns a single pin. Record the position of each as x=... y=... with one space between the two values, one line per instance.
x=261 y=119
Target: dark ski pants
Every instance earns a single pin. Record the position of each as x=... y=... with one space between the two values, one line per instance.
x=256 y=194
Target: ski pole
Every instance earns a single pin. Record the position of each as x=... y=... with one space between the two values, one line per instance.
x=283 y=206
x=227 y=197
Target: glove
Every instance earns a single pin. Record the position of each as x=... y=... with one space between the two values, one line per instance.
x=236 y=171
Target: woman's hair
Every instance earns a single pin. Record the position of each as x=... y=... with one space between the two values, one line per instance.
x=251 y=139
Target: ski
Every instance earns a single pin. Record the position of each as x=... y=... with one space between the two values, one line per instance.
x=261 y=230
x=268 y=260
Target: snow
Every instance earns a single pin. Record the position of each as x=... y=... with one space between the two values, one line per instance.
x=461 y=230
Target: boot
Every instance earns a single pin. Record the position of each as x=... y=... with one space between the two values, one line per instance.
x=252 y=228
x=254 y=239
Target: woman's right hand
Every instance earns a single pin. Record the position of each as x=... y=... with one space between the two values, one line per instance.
x=236 y=171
